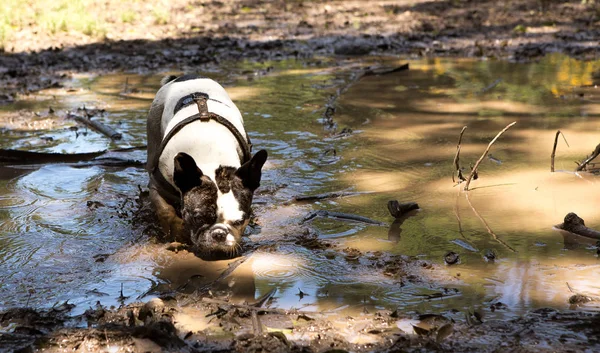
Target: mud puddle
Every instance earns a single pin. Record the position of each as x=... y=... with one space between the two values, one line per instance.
x=82 y=233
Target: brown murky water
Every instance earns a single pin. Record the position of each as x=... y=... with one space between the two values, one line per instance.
x=57 y=244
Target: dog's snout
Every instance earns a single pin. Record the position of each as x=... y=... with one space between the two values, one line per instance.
x=219 y=233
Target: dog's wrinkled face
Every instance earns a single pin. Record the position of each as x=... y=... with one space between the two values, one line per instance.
x=216 y=212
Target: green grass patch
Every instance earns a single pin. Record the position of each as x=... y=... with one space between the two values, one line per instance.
x=128 y=16
x=50 y=16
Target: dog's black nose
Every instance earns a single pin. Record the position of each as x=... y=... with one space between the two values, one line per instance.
x=219 y=234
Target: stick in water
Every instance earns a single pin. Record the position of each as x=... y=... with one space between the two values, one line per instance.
x=96 y=125
x=474 y=170
x=457 y=157
x=558 y=132
x=594 y=154
x=487 y=227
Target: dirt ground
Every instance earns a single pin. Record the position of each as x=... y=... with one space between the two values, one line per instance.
x=162 y=325
x=185 y=35
x=192 y=35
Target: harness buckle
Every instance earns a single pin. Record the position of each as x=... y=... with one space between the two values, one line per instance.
x=202 y=107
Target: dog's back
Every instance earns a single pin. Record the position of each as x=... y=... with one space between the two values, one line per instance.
x=199 y=139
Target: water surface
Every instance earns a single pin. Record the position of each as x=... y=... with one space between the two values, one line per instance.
x=69 y=232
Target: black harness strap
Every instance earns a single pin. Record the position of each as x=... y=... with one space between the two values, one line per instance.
x=165 y=189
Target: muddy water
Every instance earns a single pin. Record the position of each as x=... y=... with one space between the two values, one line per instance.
x=70 y=232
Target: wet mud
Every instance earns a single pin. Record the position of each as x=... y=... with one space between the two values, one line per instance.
x=348 y=276
x=218 y=31
x=327 y=266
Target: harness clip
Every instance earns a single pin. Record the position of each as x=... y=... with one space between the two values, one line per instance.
x=202 y=107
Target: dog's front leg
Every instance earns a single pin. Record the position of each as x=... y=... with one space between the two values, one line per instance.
x=171 y=224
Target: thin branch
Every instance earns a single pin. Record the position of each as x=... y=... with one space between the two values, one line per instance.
x=492 y=85
x=331 y=103
x=594 y=154
x=474 y=170
x=327 y=195
x=558 y=132
x=255 y=308
x=554 y=151
x=230 y=268
x=487 y=226
x=457 y=157
x=342 y=217
x=460 y=230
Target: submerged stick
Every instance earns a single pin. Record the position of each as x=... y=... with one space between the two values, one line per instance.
x=594 y=154
x=9 y=156
x=18 y=157
x=492 y=85
x=487 y=227
x=558 y=132
x=254 y=308
x=457 y=157
x=378 y=71
x=330 y=105
x=96 y=125
x=230 y=268
x=327 y=195
x=474 y=170
x=554 y=151
x=342 y=216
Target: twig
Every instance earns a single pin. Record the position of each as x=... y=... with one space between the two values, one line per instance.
x=554 y=153
x=327 y=195
x=256 y=324
x=96 y=125
x=474 y=170
x=492 y=85
x=232 y=266
x=456 y=213
x=330 y=105
x=569 y=287
x=342 y=216
x=487 y=226
x=252 y=307
x=263 y=299
x=558 y=132
x=594 y=154
x=456 y=157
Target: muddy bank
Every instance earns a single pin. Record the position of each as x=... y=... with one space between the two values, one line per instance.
x=199 y=37
x=218 y=326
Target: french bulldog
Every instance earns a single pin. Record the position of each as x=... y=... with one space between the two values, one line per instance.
x=202 y=174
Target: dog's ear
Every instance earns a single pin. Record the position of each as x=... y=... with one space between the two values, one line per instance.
x=250 y=172
x=167 y=79
x=186 y=174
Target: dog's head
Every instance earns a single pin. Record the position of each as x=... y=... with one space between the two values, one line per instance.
x=216 y=212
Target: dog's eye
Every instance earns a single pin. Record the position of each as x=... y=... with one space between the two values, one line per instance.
x=237 y=223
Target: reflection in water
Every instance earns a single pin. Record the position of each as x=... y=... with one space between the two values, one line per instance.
x=407 y=149
x=70 y=233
